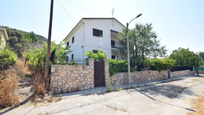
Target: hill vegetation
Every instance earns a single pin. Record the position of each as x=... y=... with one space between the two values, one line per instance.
x=22 y=41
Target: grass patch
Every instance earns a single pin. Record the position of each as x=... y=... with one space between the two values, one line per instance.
x=195 y=80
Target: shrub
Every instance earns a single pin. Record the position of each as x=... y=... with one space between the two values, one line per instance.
x=7 y=57
x=161 y=64
x=99 y=56
x=118 y=66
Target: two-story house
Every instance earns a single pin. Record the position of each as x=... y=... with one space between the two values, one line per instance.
x=94 y=34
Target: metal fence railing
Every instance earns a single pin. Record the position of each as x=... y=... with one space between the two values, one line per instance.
x=76 y=61
x=180 y=68
x=199 y=68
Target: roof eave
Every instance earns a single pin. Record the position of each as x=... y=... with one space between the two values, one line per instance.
x=5 y=33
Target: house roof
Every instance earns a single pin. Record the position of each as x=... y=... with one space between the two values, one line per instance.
x=5 y=33
x=79 y=24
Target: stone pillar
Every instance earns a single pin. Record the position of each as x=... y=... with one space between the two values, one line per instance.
x=91 y=65
x=107 y=75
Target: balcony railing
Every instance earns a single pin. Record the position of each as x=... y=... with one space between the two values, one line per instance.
x=113 y=46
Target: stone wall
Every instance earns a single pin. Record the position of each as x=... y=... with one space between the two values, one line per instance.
x=138 y=77
x=182 y=73
x=200 y=72
x=69 y=78
x=141 y=76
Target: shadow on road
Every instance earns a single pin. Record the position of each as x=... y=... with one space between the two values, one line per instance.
x=170 y=91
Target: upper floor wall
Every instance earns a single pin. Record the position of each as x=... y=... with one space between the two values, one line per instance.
x=104 y=27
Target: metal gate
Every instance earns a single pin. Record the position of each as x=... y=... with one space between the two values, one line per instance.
x=99 y=77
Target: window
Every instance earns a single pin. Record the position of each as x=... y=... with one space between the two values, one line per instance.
x=73 y=39
x=67 y=44
x=67 y=59
x=95 y=51
x=72 y=56
x=112 y=43
x=113 y=56
x=98 y=33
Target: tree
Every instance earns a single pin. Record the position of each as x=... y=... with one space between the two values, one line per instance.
x=196 y=62
x=27 y=36
x=16 y=43
x=34 y=37
x=143 y=43
x=201 y=55
x=182 y=56
x=38 y=57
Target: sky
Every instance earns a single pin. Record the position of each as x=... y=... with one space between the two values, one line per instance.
x=178 y=23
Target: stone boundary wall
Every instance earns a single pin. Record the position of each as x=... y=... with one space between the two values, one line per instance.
x=69 y=78
x=141 y=76
x=182 y=73
x=138 y=77
x=200 y=72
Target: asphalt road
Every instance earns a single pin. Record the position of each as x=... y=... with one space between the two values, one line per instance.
x=170 y=98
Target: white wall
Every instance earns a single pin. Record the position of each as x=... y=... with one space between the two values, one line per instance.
x=96 y=43
x=76 y=46
x=84 y=37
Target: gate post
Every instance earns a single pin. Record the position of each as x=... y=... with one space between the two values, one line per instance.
x=107 y=75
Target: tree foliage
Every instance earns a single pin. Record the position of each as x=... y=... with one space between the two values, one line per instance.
x=143 y=43
x=99 y=56
x=201 y=55
x=182 y=56
x=16 y=43
x=32 y=38
x=38 y=57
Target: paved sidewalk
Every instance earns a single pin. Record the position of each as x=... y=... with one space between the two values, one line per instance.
x=99 y=90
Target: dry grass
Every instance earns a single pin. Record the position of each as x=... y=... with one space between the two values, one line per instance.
x=40 y=85
x=9 y=82
x=198 y=105
x=8 y=87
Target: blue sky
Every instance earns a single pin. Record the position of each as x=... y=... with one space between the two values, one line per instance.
x=178 y=23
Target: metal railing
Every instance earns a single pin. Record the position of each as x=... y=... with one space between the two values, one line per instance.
x=75 y=61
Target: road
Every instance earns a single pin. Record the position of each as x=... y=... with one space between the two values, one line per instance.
x=168 y=98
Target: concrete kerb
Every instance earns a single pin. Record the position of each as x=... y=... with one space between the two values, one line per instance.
x=101 y=90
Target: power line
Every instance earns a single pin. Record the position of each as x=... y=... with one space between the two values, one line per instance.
x=78 y=8
x=65 y=10
x=84 y=8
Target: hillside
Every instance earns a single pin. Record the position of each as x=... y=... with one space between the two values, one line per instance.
x=40 y=41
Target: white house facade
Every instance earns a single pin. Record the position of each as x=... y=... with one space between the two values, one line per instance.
x=94 y=34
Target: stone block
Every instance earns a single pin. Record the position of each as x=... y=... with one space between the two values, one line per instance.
x=62 y=74
x=59 y=78
x=55 y=74
x=52 y=69
x=54 y=84
x=59 y=82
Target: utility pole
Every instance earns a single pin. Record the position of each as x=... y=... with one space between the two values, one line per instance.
x=128 y=52
x=49 y=40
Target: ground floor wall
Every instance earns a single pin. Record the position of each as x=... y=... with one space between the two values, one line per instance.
x=69 y=78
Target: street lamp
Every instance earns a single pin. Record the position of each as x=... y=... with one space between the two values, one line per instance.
x=128 y=54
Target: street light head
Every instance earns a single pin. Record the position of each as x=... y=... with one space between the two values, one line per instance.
x=139 y=15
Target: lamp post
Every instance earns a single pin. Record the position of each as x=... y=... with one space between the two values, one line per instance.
x=128 y=54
